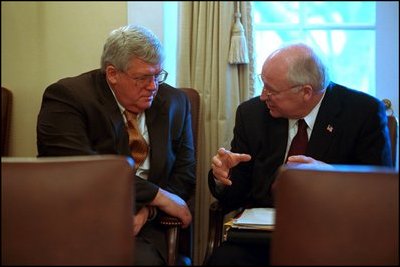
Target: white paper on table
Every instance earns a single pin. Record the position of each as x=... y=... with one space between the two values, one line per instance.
x=256 y=217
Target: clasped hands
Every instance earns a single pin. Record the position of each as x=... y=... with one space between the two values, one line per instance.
x=224 y=160
x=169 y=203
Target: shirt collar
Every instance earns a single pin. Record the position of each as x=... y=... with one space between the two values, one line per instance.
x=121 y=108
x=311 y=117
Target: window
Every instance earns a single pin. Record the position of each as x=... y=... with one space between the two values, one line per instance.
x=342 y=32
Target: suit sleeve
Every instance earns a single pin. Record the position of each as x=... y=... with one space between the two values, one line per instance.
x=145 y=192
x=61 y=125
x=237 y=194
x=374 y=144
x=182 y=178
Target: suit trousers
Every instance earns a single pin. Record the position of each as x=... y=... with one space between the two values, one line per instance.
x=241 y=253
x=150 y=245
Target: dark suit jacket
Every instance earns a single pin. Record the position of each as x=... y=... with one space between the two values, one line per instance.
x=359 y=135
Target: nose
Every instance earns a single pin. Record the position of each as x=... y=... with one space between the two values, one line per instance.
x=152 y=83
x=264 y=95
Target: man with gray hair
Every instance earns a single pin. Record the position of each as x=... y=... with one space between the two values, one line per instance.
x=93 y=114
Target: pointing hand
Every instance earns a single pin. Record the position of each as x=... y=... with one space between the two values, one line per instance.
x=223 y=161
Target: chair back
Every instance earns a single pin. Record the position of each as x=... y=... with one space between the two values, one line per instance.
x=180 y=249
x=393 y=126
x=194 y=99
x=187 y=235
x=6 y=106
x=345 y=215
x=67 y=211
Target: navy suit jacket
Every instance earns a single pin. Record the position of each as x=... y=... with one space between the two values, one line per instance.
x=80 y=116
x=350 y=128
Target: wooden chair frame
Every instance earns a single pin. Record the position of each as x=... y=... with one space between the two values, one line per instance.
x=174 y=233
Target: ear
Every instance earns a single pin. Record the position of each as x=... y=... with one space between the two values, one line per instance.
x=111 y=74
x=307 y=92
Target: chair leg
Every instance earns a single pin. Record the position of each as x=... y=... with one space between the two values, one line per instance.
x=172 y=244
x=216 y=222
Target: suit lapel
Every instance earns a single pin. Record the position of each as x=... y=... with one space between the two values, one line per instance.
x=278 y=138
x=157 y=125
x=107 y=99
x=326 y=125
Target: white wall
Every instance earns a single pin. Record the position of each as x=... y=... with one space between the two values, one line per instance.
x=42 y=42
x=162 y=19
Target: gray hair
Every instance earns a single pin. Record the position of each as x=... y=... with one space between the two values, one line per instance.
x=308 y=68
x=131 y=41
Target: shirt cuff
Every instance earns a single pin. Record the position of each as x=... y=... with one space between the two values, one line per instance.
x=219 y=187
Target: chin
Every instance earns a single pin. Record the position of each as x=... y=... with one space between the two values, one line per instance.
x=147 y=105
x=275 y=114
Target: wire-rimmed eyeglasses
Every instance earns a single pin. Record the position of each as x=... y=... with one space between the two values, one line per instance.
x=267 y=91
x=271 y=92
x=146 y=79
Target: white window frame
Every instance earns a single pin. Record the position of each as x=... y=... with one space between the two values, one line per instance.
x=163 y=21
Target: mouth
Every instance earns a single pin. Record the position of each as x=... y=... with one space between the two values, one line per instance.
x=150 y=96
x=269 y=105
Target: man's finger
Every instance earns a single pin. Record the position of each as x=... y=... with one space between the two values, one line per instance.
x=216 y=162
x=244 y=157
x=220 y=174
x=299 y=159
x=225 y=181
x=222 y=151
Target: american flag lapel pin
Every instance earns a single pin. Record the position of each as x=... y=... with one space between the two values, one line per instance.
x=329 y=128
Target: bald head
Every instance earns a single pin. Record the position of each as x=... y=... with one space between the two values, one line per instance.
x=287 y=55
x=297 y=64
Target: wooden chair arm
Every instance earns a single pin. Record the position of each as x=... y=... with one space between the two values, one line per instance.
x=217 y=214
x=170 y=221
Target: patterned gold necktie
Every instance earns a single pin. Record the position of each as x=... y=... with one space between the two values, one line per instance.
x=137 y=144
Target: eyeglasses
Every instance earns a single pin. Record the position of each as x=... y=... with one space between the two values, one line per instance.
x=271 y=92
x=146 y=79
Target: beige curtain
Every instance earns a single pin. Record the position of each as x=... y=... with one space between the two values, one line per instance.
x=203 y=49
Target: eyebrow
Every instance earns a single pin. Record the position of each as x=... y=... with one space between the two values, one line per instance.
x=141 y=74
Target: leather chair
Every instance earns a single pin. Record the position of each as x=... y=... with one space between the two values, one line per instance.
x=6 y=106
x=67 y=211
x=345 y=215
x=180 y=241
x=218 y=212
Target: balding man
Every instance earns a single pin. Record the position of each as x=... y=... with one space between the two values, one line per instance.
x=341 y=126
